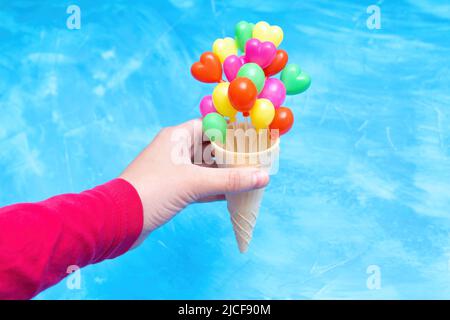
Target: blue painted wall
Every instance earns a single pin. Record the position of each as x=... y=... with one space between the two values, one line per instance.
x=364 y=175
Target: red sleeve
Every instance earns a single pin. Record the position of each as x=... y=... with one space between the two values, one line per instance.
x=39 y=241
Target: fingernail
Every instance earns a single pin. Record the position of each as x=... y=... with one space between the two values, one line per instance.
x=260 y=179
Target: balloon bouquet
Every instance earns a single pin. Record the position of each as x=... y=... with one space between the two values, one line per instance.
x=252 y=90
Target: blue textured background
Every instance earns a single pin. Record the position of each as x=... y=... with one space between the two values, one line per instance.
x=365 y=172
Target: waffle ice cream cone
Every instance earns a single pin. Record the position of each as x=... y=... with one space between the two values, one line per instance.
x=246 y=151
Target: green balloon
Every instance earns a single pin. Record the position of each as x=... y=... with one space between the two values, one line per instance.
x=253 y=72
x=295 y=80
x=214 y=126
x=243 y=33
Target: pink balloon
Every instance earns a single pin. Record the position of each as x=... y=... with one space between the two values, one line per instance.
x=243 y=59
x=275 y=91
x=231 y=66
x=261 y=53
x=207 y=105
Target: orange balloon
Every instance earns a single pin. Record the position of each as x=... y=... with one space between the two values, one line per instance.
x=278 y=63
x=283 y=120
x=208 y=69
x=242 y=94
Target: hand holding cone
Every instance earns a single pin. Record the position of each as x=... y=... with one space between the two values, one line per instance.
x=253 y=91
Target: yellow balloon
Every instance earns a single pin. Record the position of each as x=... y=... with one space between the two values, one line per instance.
x=265 y=32
x=262 y=113
x=221 y=101
x=225 y=47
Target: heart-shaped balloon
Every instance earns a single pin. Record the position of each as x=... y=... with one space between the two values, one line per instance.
x=208 y=69
x=231 y=66
x=265 y=32
x=278 y=63
x=261 y=53
x=224 y=47
x=295 y=80
x=243 y=33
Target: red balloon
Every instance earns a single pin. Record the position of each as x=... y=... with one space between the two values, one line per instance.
x=283 y=120
x=208 y=69
x=242 y=94
x=278 y=63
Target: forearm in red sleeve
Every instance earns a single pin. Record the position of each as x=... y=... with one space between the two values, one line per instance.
x=39 y=241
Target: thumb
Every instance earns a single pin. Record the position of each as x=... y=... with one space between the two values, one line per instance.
x=214 y=181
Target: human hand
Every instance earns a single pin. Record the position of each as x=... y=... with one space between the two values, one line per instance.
x=167 y=180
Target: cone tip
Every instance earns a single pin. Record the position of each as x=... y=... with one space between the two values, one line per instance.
x=243 y=247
